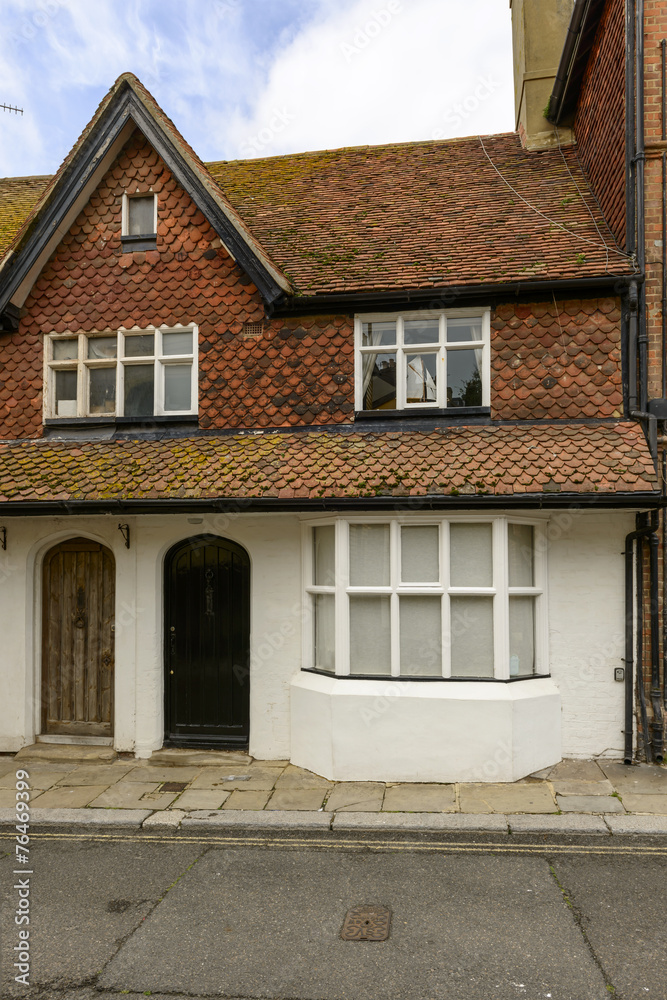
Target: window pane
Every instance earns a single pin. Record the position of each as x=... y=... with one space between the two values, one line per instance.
x=66 y=394
x=324 y=632
x=421 y=636
x=177 y=343
x=369 y=555
x=379 y=374
x=370 y=635
x=470 y=555
x=102 y=347
x=464 y=329
x=522 y=636
x=421 y=331
x=139 y=390
x=177 y=387
x=324 y=565
x=472 y=636
x=520 y=539
x=378 y=334
x=141 y=216
x=464 y=378
x=420 y=561
x=140 y=346
x=65 y=350
x=421 y=376
x=102 y=390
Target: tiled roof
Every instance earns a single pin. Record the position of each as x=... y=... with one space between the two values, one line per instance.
x=410 y=215
x=503 y=461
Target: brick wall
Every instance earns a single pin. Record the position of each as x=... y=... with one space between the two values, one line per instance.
x=295 y=373
x=556 y=360
x=600 y=119
x=548 y=362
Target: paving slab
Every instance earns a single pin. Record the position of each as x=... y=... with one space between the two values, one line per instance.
x=249 y=782
x=130 y=795
x=282 y=764
x=69 y=798
x=589 y=804
x=164 y=818
x=635 y=803
x=8 y=797
x=309 y=799
x=146 y=772
x=246 y=800
x=603 y=787
x=576 y=770
x=60 y=752
x=419 y=798
x=102 y=774
x=81 y=817
x=177 y=757
x=529 y=797
x=356 y=796
x=201 y=798
x=202 y=819
x=216 y=777
x=571 y=823
x=645 y=779
x=43 y=777
x=637 y=824
x=297 y=777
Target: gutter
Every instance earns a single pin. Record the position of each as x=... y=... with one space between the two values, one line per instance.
x=573 y=502
x=569 y=54
x=440 y=297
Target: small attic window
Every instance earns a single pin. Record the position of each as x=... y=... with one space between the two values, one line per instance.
x=139 y=222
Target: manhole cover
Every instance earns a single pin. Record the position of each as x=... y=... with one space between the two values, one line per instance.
x=366 y=923
x=174 y=786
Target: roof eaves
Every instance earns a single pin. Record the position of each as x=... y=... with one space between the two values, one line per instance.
x=574 y=59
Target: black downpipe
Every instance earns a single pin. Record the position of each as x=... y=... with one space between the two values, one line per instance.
x=656 y=701
x=634 y=638
x=663 y=80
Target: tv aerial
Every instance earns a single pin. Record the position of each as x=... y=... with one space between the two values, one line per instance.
x=10 y=107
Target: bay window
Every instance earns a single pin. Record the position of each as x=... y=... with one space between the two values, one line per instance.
x=428 y=359
x=432 y=598
x=127 y=373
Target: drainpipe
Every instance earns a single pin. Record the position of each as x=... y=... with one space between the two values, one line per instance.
x=656 y=700
x=638 y=387
x=630 y=230
x=634 y=630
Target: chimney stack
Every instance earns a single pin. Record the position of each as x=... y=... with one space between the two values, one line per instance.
x=539 y=28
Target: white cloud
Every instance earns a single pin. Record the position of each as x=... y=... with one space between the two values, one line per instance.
x=256 y=77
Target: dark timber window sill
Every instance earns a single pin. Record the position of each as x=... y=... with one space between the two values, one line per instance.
x=187 y=418
x=408 y=679
x=145 y=242
x=452 y=412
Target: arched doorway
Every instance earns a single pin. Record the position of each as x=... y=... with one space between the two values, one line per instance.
x=207 y=643
x=78 y=607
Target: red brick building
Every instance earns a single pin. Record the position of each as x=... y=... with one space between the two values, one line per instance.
x=332 y=455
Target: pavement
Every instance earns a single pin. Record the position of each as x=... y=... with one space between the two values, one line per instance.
x=198 y=790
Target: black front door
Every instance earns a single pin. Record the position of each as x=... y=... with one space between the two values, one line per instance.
x=207 y=643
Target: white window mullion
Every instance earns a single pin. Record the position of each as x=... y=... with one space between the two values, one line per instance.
x=342 y=601
x=446 y=609
x=81 y=387
x=308 y=619
x=501 y=639
x=358 y=366
x=486 y=358
x=394 y=580
x=541 y=582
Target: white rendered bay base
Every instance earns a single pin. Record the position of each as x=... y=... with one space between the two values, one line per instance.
x=380 y=730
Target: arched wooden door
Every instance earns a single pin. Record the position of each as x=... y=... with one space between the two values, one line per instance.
x=207 y=643
x=78 y=607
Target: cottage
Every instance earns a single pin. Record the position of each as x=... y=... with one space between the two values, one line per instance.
x=333 y=455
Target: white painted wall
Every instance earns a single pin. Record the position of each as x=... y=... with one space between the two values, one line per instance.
x=273 y=544
x=586 y=627
x=585 y=601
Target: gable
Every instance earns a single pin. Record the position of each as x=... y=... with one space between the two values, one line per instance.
x=127 y=106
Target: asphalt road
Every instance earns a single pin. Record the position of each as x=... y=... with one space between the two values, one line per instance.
x=244 y=917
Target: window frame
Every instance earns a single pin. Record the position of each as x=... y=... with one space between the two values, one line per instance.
x=83 y=365
x=442 y=348
x=138 y=241
x=500 y=591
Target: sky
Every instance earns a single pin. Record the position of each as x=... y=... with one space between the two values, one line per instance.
x=250 y=78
